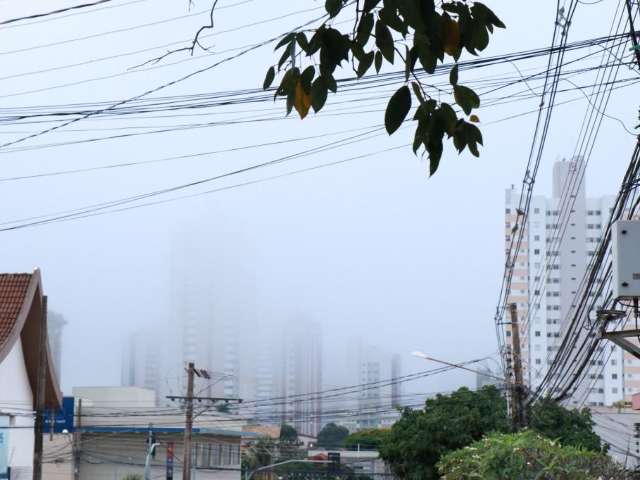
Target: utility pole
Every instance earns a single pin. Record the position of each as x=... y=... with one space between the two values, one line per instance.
x=188 y=424
x=77 y=442
x=517 y=387
x=40 y=394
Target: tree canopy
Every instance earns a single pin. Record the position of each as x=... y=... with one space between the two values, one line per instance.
x=332 y=436
x=369 y=439
x=526 y=456
x=418 y=440
x=569 y=427
x=418 y=34
x=288 y=434
x=415 y=444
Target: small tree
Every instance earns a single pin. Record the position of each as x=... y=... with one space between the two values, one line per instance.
x=569 y=427
x=370 y=439
x=288 y=434
x=416 y=442
x=526 y=455
x=332 y=436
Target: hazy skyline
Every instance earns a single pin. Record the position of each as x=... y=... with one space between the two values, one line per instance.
x=371 y=248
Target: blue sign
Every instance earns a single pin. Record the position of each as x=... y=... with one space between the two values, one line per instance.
x=4 y=446
x=63 y=419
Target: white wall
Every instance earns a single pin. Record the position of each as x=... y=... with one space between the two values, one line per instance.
x=16 y=401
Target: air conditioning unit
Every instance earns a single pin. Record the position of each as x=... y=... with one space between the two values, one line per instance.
x=625 y=242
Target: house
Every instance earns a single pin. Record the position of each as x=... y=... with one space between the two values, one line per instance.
x=22 y=315
x=106 y=437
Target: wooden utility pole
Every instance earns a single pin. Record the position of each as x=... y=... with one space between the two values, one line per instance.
x=188 y=424
x=517 y=387
x=40 y=394
x=77 y=442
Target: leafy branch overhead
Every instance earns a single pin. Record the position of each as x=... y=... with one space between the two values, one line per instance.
x=414 y=33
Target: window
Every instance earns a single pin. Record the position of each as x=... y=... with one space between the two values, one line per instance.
x=536 y=251
x=614 y=390
x=507 y=211
x=537 y=333
x=614 y=376
x=538 y=361
x=536 y=237
x=536 y=210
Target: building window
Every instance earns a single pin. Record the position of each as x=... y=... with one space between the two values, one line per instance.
x=537 y=333
x=507 y=211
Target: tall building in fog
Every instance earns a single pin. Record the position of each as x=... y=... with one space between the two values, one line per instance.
x=141 y=362
x=377 y=374
x=199 y=329
x=301 y=376
x=55 y=326
x=555 y=252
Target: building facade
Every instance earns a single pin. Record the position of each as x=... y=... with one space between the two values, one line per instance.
x=559 y=240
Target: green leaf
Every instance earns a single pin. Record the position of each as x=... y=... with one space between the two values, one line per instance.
x=434 y=148
x=333 y=7
x=365 y=64
x=417 y=92
x=287 y=54
x=330 y=82
x=307 y=77
x=466 y=98
x=448 y=117
x=301 y=38
x=268 y=79
x=384 y=40
x=453 y=75
x=392 y=20
x=378 y=61
x=318 y=94
x=364 y=29
x=288 y=38
x=397 y=109
x=482 y=12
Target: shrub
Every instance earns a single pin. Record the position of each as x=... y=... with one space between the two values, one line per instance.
x=526 y=456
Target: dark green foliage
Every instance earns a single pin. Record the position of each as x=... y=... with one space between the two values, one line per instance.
x=526 y=456
x=421 y=34
x=288 y=434
x=332 y=436
x=569 y=427
x=420 y=438
x=370 y=439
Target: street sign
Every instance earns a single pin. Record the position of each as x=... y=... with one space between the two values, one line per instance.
x=170 y=461
x=63 y=418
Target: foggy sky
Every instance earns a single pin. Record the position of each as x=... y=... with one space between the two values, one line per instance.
x=372 y=248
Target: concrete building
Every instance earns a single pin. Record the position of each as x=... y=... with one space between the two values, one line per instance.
x=21 y=320
x=559 y=239
x=111 y=441
x=376 y=372
x=301 y=376
x=141 y=362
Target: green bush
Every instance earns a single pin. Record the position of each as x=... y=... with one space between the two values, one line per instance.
x=526 y=456
x=132 y=476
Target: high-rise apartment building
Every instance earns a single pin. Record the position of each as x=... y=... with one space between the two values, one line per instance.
x=559 y=239
x=375 y=372
x=301 y=376
x=141 y=362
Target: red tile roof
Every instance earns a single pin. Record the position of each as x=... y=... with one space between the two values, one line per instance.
x=13 y=290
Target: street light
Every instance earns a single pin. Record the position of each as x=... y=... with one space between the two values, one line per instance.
x=424 y=356
x=147 y=462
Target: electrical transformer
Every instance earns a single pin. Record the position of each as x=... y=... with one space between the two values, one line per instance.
x=625 y=244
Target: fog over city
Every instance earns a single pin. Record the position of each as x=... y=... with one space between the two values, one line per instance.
x=371 y=250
